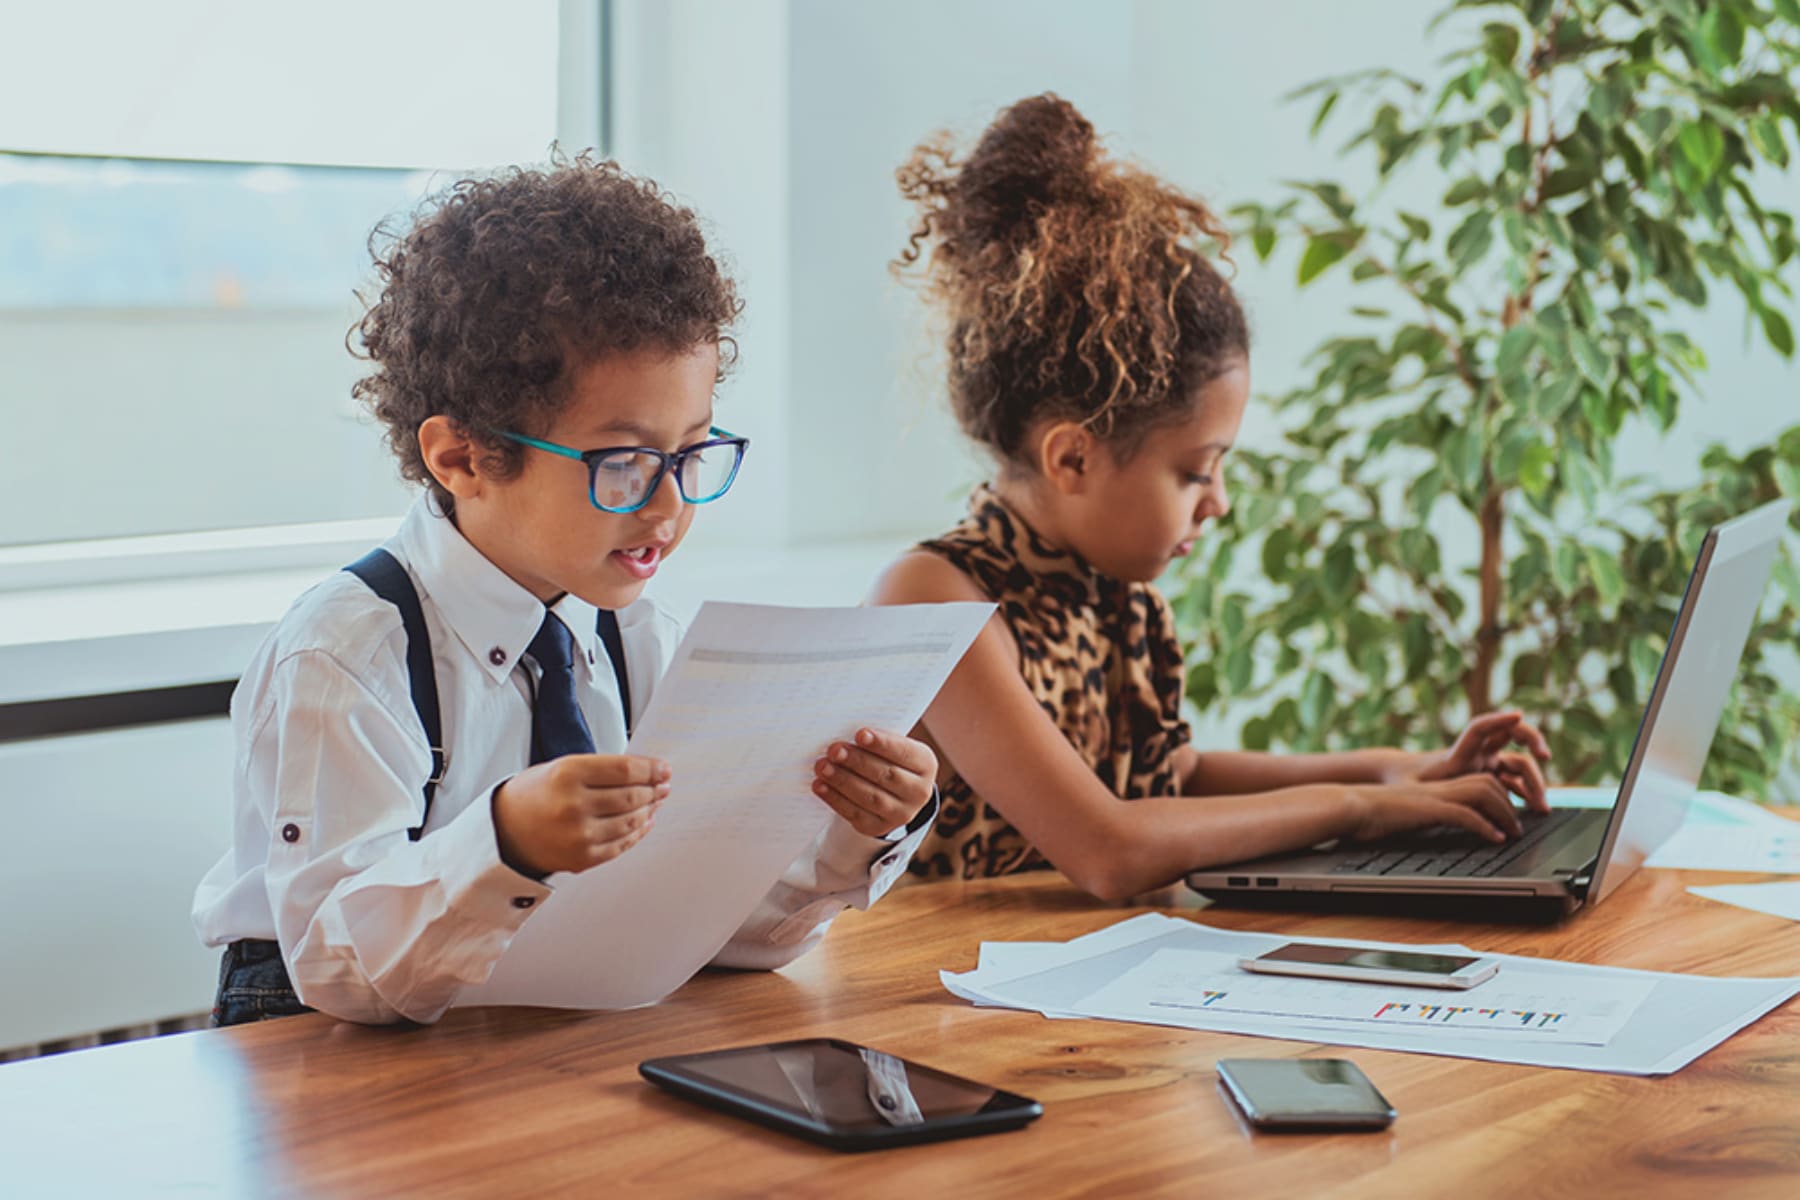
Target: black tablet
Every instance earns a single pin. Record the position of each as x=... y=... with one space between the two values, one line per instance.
x=839 y=1094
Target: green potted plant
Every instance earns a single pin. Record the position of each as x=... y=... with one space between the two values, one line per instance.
x=1596 y=160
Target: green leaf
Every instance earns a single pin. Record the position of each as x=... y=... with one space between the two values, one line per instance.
x=1423 y=495
x=1463 y=191
x=1646 y=658
x=1238 y=668
x=1779 y=332
x=1565 y=566
x=1340 y=570
x=1701 y=144
x=1275 y=551
x=1262 y=240
x=1564 y=180
x=1315 y=700
x=1788 y=577
x=1534 y=469
x=1603 y=569
x=1581 y=476
x=1471 y=239
x=1415 y=641
x=1320 y=254
x=1590 y=358
x=1515 y=346
x=1325 y=107
x=1502 y=41
x=1255 y=734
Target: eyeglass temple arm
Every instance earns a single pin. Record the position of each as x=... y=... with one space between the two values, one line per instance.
x=552 y=447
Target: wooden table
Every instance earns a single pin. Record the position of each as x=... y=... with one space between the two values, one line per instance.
x=503 y=1102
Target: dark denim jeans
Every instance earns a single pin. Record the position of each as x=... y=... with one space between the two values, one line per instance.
x=253 y=985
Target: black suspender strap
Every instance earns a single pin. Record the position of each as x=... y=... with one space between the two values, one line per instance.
x=606 y=624
x=385 y=577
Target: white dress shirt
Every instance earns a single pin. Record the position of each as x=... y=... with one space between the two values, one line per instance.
x=330 y=766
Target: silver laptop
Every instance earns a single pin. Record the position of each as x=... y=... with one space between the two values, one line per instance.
x=1570 y=856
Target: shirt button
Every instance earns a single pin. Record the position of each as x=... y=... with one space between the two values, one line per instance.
x=497 y=656
x=290 y=833
x=523 y=901
x=889 y=860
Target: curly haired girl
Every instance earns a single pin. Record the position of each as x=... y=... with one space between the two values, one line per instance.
x=1101 y=358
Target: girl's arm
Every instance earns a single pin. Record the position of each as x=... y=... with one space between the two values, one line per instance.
x=1216 y=772
x=991 y=730
x=1484 y=747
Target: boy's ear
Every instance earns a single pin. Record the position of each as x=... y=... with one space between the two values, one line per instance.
x=450 y=455
x=1066 y=456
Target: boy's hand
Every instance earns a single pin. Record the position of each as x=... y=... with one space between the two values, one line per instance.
x=879 y=782
x=1482 y=749
x=577 y=811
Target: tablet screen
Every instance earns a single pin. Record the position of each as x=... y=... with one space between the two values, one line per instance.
x=840 y=1085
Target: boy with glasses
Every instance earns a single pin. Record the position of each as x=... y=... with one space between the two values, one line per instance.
x=428 y=735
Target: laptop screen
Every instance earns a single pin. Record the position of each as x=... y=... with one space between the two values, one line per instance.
x=1711 y=627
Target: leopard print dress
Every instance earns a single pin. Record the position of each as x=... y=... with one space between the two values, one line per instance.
x=1101 y=658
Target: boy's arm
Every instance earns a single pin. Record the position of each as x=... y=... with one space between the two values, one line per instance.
x=373 y=926
x=844 y=869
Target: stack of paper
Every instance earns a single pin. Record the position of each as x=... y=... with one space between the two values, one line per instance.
x=1162 y=970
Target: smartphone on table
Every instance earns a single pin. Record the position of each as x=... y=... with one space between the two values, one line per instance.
x=839 y=1094
x=1304 y=1094
x=1366 y=964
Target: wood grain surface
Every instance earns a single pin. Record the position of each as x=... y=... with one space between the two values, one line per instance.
x=504 y=1102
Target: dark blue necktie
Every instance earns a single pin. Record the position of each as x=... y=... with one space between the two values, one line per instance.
x=557 y=726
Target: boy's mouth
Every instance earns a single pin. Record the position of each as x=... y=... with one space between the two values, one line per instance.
x=640 y=562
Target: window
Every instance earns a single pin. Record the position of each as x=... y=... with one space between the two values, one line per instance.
x=186 y=193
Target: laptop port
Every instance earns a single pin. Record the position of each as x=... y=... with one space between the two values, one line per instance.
x=1237 y=881
x=1265 y=881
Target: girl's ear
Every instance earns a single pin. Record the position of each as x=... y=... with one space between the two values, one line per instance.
x=450 y=456
x=1066 y=457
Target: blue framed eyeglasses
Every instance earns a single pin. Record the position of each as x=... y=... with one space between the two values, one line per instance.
x=621 y=479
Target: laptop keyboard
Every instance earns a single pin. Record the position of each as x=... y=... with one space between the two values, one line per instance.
x=1455 y=852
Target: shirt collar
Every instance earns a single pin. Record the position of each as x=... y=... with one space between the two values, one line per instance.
x=488 y=611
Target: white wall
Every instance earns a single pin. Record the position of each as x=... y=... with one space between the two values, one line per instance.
x=106 y=836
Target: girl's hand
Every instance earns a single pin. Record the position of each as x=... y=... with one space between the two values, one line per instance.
x=1481 y=749
x=1476 y=802
x=877 y=782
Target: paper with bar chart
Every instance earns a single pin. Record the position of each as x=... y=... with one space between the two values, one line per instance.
x=1176 y=982
x=1164 y=970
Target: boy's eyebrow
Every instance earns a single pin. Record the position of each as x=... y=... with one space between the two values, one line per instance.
x=644 y=433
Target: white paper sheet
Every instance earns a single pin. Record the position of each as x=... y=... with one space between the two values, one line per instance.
x=1721 y=833
x=1512 y=1006
x=753 y=697
x=1680 y=1018
x=1776 y=899
x=1733 y=848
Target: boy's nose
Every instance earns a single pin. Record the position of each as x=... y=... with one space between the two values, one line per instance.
x=664 y=503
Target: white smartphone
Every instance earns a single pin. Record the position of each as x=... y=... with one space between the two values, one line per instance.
x=1368 y=965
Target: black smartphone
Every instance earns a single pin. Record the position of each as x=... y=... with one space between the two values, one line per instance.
x=1304 y=1094
x=839 y=1094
